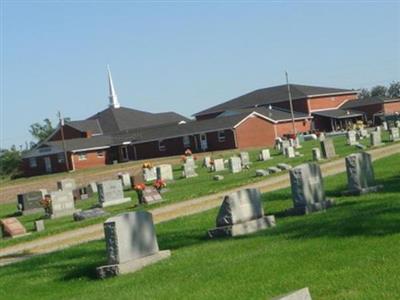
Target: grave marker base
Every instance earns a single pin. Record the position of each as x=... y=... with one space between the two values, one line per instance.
x=114 y=202
x=305 y=210
x=63 y=214
x=131 y=266
x=30 y=211
x=363 y=191
x=243 y=228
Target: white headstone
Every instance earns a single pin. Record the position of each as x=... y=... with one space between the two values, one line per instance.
x=150 y=174
x=62 y=204
x=265 y=155
x=235 y=164
x=126 y=180
x=67 y=184
x=219 y=164
x=164 y=172
x=111 y=193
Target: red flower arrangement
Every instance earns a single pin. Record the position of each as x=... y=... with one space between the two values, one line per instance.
x=139 y=187
x=46 y=203
x=159 y=184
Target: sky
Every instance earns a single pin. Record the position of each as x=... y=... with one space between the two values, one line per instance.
x=182 y=56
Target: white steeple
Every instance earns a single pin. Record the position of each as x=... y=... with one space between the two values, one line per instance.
x=113 y=96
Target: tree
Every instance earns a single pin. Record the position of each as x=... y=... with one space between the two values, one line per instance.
x=10 y=161
x=379 y=90
x=364 y=93
x=394 y=89
x=41 y=131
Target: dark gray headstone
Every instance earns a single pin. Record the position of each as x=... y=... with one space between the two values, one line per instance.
x=150 y=195
x=307 y=188
x=31 y=202
x=328 y=148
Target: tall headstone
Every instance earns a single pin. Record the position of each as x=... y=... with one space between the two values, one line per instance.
x=245 y=159
x=164 y=172
x=111 y=193
x=360 y=174
x=385 y=125
x=30 y=202
x=189 y=170
x=67 y=184
x=207 y=162
x=321 y=136
x=190 y=161
x=284 y=145
x=93 y=186
x=303 y=294
x=125 y=180
x=394 y=134
x=307 y=189
x=131 y=244
x=278 y=144
x=328 y=148
x=316 y=154
x=265 y=155
x=62 y=204
x=376 y=139
x=397 y=124
x=219 y=165
x=289 y=152
x=12 y=227
x=241 y=213
x=235 y=164
x=150 y=174
x=351 y=137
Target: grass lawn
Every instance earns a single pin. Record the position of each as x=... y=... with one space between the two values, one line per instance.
x=181 y=189
x=350 y=251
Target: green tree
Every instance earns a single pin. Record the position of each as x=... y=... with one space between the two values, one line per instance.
x=394 y=89
x=364 y=93
x=41 y=131
x=379 y=90
x=10 y=161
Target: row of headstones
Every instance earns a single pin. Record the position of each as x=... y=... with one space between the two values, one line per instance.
x=375 y=136
x=131 y=241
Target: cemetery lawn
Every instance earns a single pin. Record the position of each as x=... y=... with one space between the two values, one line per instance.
x=181 y=189
x=351 y=251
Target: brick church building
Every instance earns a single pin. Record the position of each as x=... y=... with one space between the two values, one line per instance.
x=119 y=134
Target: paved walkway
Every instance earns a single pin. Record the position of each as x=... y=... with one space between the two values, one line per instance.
x=94 y=232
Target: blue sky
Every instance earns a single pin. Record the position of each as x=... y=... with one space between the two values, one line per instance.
x=183 y=56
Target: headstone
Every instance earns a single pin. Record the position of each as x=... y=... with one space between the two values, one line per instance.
x=131 y=244
x=218 y=177
x=89 y=213
x=303 y=294
x=12 y=227
x=39 y=225
x=361 y=146
x=235 y=164
x=363 y=133
x=150 y=174
x=316 y=154
x=397 y=124
x=241 y=213
x=310 y=137
x=394 y=134
x=190 y=161
x=137 y=178
x=164 y=172
x=321 y=136
x=67 y=184
x=261 y=172
x=265 y=155
x=29 y=203
x=207 y=162
x=150 y=195
x=62 y=204
x=283 y=166
x=289 y=152
x=126 y=181
x=273 y=170
x=351 y=137
x=92 y=186
x=111 y=193
x=307 y=189
x=360 y=174
x=376 y=139
x=278 y=144
x=219 y=164
x=328 y=148
x=284 y=145
x=189 y=170
x=82 y=193
x=245 y=159
x=385 y=125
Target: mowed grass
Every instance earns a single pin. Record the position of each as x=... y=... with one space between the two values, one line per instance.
x=351 y=251
x=179 y=190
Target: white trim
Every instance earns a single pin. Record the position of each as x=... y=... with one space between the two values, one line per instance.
x=126 y=143
x=332 y=94
x=89 y=149
x=271 y=120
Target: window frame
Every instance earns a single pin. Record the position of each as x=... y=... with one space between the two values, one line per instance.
x=33 y=162
x=161 y=146
x=221 y=136
x=82 y=155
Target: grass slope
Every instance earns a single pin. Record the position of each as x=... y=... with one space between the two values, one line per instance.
x=181 y=189
x=348 y=252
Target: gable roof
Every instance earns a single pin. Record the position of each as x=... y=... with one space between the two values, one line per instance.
x=119 y=119
x=368 y=101
x=275 y=94
x=86 y=125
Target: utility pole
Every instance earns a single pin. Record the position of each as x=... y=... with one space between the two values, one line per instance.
x=290 y=102
x=63 y=141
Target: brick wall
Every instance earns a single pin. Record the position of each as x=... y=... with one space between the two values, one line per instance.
x=93 y=159
x=300 y=105
x=255 y=132
x=327 y=102
x=392 y=107
x=287 y=127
